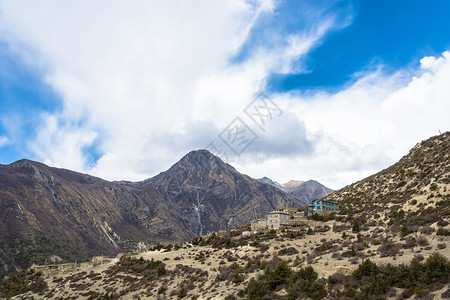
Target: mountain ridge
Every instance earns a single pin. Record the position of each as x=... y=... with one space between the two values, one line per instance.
x=52 y=212
x=306 y=191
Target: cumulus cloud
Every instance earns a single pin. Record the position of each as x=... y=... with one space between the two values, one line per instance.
x=143 y=82
x=367 y=126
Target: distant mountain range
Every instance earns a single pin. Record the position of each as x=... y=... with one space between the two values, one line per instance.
x=304 y=190
x=59 y=215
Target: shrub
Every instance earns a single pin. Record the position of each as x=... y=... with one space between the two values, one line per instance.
x=422 y=241
x=182 y=293
x=307 y=273
x=336 y=278
x=442 y=223
x=366 y=268
x=349 y=290
x=437 y=268
x=443 y=232
x=256 y=290
x=162 y=290
x=388 y=248
x=376 y=287
x=288 y=251
x=280 y=275
x=405 y=230
x=409 y=243
x=355 y=227
x=304 y=282
x=314 y=290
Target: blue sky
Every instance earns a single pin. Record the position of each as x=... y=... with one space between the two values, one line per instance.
x=394 y=34
x=125 y=93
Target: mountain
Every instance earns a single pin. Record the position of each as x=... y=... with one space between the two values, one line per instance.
x=413 y=193
x=306 y=191
x=271 y=182
x=60 y=215
x=210 y=195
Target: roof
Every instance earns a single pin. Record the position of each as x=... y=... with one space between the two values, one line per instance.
x=325 y=201
x=278 y=212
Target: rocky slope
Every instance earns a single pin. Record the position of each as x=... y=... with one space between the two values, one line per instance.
x=414 y=192
x=48 y=213
x=323 y=264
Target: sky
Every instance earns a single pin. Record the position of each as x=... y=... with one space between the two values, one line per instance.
x=328 y=90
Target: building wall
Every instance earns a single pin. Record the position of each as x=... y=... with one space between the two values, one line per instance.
x=274 y=220
x=321 y=207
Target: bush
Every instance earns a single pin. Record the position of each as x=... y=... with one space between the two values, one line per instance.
x=256 y=290
x=437 y=268
x=349 y=290
x=307 y=273
x=280 y=275
x=336 y=278
x=442 y=232
x=288 y=251
x=355 y=227
x=304 y=282
x=388 y=248
x=422 y=241
x=366 y=268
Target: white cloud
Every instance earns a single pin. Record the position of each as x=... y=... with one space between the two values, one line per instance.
x=144 y=82
x=137 y=77
x=365 y=127
x=3 y=140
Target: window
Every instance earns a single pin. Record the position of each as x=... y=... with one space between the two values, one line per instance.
x=276 y=221
x=318 y=207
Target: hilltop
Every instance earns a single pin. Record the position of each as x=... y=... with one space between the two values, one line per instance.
x=411 y=195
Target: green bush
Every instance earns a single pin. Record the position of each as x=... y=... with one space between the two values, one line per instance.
x=256 y=289
x=349 y=290
x=280 y=275
x=306 y=273
x=443 y=232
x=436 y=267
x=366 y=268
